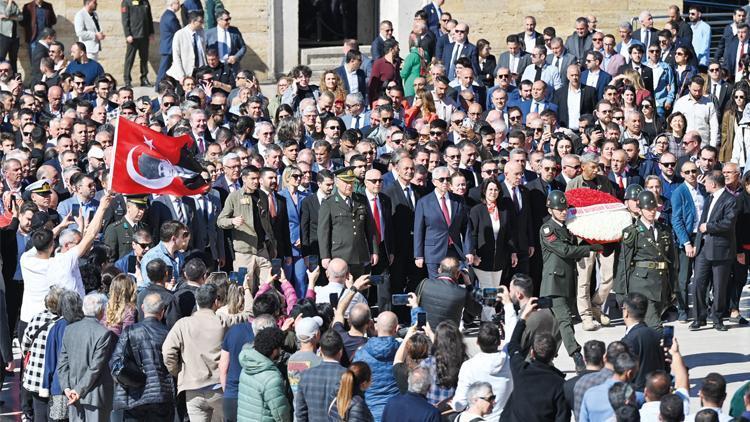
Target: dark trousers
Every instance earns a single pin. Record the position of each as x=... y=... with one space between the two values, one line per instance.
x=683 y=280
x=704 y=270
x=381 y=293
x=27 y=404
x=150 y=413
x=737 y=280
x=230 y=410
x=140 y=45
x=535 y=270
x=405 y=277
x=521 y=268
x=164 y=64
x=40 y=407
x=13 y=297
x=9 y=50
x=561 y=307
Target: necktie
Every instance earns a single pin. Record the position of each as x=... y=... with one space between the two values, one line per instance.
x=713 y=90
x=742 y=54
x=538 y=74
x=349 y=202
x=452 y=69
x=407 y=192
x=271 y=205
x=447 y=216
x=515 y=201
x=356 y=123
x=652 y=233
x=201 y=145
x=376 y=216
x=535 y=107
x=178 y=211
x=205 y=208
x=196 y=50
x=549 y=188
x=557 y=63
x=622 y=185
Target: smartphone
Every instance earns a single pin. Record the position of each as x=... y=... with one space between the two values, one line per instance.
x=377 y=279
x=75 y=210
x=668 y=336
x=276 y=267
x=544 y=303
x=548 y=128
x=234 y=276
x=334 y=299
x=241 y=274
x=400 y=299
x=131 y=264
x=312 y=262
x=421 y=319
x=170 y=274
x=489 y=296
x=91 y=215
x=221 y=274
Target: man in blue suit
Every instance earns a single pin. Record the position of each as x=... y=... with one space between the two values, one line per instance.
x=440 y=222
x=734 y=49
x=386 y=33
x=351 y=69
x=433 y=12
x=599 y=79
x=538 y=101
x=688 y=201
x=168 y=25
x=227 y=40
x=460 y=47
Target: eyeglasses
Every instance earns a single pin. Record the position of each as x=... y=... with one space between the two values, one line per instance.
x=713 y=69
x=618 y=117
x=26 y=133
x=538 y=129
x=577 y=167
x=376 y=181
x=489 y=399
x=654 y=51
x=348 y=106
x=645 y=105
x=456 y=122
x=295 y=176
x=333 y=128
x=436 y=133
x=4 y=70
x=143 y=245
x=739 y=97
x=679 y=54
x=453 y=157
x=167 y=105
x=514 y=118
x=78 y=82
x=693 y=171
x=670 y=164
x=459 y=31
x=597 y=39
x=386 y=119
x=549 y=168
x=443 y=179
x=503 y=76
x=490 y=171
x=397 y=140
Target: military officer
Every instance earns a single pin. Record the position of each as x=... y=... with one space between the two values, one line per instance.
x=40 y=192
x=119 y=235
x=646 y=260
x=631 y=200
x=560 y=251
x=139 y=30
x=344 y=228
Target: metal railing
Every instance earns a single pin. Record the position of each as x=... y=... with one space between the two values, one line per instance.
x=716 y=20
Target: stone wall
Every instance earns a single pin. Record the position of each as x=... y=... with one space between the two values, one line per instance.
x=250 y=16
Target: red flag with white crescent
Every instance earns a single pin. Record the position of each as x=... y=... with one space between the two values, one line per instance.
x=146 y=161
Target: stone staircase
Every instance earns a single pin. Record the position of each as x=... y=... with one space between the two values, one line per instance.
x=320 y=59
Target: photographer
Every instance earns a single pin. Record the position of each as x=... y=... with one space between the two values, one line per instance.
x=445 y=297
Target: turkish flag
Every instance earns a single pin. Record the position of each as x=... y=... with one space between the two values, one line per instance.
x=145 y=161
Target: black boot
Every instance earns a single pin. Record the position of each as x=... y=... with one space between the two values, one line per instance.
x=580 y=364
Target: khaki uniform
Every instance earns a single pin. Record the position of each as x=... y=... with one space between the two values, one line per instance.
x=119 y=236
x=345 y=232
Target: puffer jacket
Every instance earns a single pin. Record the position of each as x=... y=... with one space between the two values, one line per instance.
x=378 y=353
x=262 y=389
x=144 y=339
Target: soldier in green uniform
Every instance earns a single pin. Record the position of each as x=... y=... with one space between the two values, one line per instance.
x=560 y=251
x=631 y=200
x=119 y=235
x=646 y=261
x=344 y=228
x=139 y=29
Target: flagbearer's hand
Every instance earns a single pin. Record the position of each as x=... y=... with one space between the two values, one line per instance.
x=106 y=198
x=238 y=221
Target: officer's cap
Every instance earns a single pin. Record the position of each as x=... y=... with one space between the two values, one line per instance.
x=41 y=187
x=138 y=200
x=345 y=174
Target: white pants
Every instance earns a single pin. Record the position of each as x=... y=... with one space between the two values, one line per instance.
x=487 y=280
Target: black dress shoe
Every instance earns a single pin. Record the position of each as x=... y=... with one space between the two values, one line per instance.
x=696 y=325
x=580 y=364
x=145 y=82
x=719 y=326
x=738 y=320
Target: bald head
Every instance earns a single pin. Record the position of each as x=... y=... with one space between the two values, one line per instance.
x=387 y=324
x=513 y=173
x=337 y=271
x=359 y=316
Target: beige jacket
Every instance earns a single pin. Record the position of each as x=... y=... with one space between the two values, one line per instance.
x=244 y=238
x=192 y=350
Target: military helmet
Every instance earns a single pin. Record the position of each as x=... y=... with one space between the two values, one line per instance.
x=556 y=200
x=647 y=200
x=632 y=191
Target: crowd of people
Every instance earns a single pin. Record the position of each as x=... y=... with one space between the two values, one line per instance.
x=357 y=236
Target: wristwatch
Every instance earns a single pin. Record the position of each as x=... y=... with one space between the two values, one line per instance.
x=354 y=290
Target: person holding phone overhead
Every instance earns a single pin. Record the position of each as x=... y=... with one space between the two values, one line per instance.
x=646 y=261
x=560 y=251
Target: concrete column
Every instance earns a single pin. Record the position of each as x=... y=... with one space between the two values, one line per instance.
x=401 y=14
x=284 y=29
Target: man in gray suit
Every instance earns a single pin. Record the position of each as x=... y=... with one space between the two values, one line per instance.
x=88 y=30
x=227 y=40
x=83 y=368
x=515 y=58
x=560 y=59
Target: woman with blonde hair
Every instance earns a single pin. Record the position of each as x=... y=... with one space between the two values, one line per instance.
x=121 y=309
x=236 y=301
x=349 y=404
x=422 y=109
x=331 y=82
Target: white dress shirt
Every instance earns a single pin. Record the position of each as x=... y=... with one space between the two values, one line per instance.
x=447 y=203
x=592 y=79
x=701 y=116
x=699 y=201
x=225 y=43
x=574 y=107
x=716 y=196
x=351 y=77
x=529 y=41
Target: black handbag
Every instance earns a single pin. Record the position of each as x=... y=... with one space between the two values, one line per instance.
x=127 y=372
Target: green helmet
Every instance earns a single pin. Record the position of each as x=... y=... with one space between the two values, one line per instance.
x=556 y=200
x=632 y=191
x=647 y=200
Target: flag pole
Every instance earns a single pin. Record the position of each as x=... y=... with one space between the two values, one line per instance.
x=113 y=157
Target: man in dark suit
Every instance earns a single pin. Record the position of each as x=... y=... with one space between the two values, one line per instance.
x=515 y=197
x=444 y=39
x=586 y=93
x=466 y=83
x=440 y=222
x=386 y=33
x=275 y=204
x=209 y=239
x=593 y=76
x=560 y=58
x=716 y=249
x=309 y=214
x=351 y=67
x=171 y=207
x=404 y=195
x=729 y=33
x=539 y=102
x=227 y=40
x=621 y=175
x=531 y=34
x=344 y=231
x=168 y=25
x=642 y=340
x=719 y=89
x=433 y=12
x=379 y=213
x=425 y=38
x=646 y=34
x=460 y=47
x=636 y=56
x=515 y=59
x=735 y=48
x=538 y=190
x=579 y=43
x=41 y=50
x=12 y=237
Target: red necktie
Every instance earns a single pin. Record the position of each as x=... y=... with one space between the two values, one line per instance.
x=447 y=216
x=376 y=216
x=622 y=185
x=271 y=206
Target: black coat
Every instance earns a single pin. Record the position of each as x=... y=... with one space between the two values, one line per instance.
x=308 y=231
x=9 y=250
x=141 y=343
x=522 y=220
x=385 y=215
x=588 y=102
x=538 y=198
x=402 y=214
x=280 y=224
x=492 y=250
x=718 y=242
x=645 y=343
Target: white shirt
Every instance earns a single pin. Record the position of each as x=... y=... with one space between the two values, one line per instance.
x=64 y=270
x=701 y=116
x=574 y=107
x=36 y=284
x=351 y=77
x=513 y=63
x=738 y=71
x=699 y=201
x=323 y=295
x=722 y=417
x=656 y=70
x=447 y=203
x=592 y=79
x=529 y=41
x=225 y=43
x=179 y=207
x=371 y=199
x=716 y=196
x=455 y=53
x=536 y=107
x=650 y=410
x=443 y=108
x=518 y=194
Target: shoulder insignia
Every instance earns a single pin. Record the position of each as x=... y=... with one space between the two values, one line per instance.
x=546 y=230
x=626 y=235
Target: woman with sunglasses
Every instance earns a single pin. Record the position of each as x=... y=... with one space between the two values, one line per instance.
x=653 y=124
x=296 y=271
x=423 y=109
x=684 y=70
x=730 y=122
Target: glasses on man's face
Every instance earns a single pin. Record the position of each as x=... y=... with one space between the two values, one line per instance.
x=713 y=69
x=143 y=245
x=26 y=133
x=386 y=119
x=549 y=168
x=167 y=105
x=459 y=31
x=443 y=179
x=436 y=133
x=577 y=167
x=597 y=39
x=78 y=82
x=453 y=157
x=489 y=399
x=348 y=106
x=618 y=118
x=654 y=51
x=490 y=171
x=375 y=181
x=397 y=140
x=692 y=171
x=333 y=128
x=669 y=164
x=503 y=76
x=3 y=69
x=456 y=122
x=514 y=118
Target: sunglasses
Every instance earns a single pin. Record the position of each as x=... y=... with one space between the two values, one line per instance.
x=577 y=167
x=503 y=76
x=549 y=168
x=670 y=164
x=459 y=31
x=443 y=179
x=436 y=133
x=597 y=39
x=386 y=119
x=143 y=245
x=693 y=171
x=739 y=97
x=514 y=118
x=26 y=133
x=713 y=69
x=679 y=54
x=489 y=399
x=333 y=128
x=619 y=117
x=167 y=105
x=490 y=171
x=296 y=176
x=397 y=140
x=376 y=181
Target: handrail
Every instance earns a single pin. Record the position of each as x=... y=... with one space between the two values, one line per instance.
x=712 y=4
